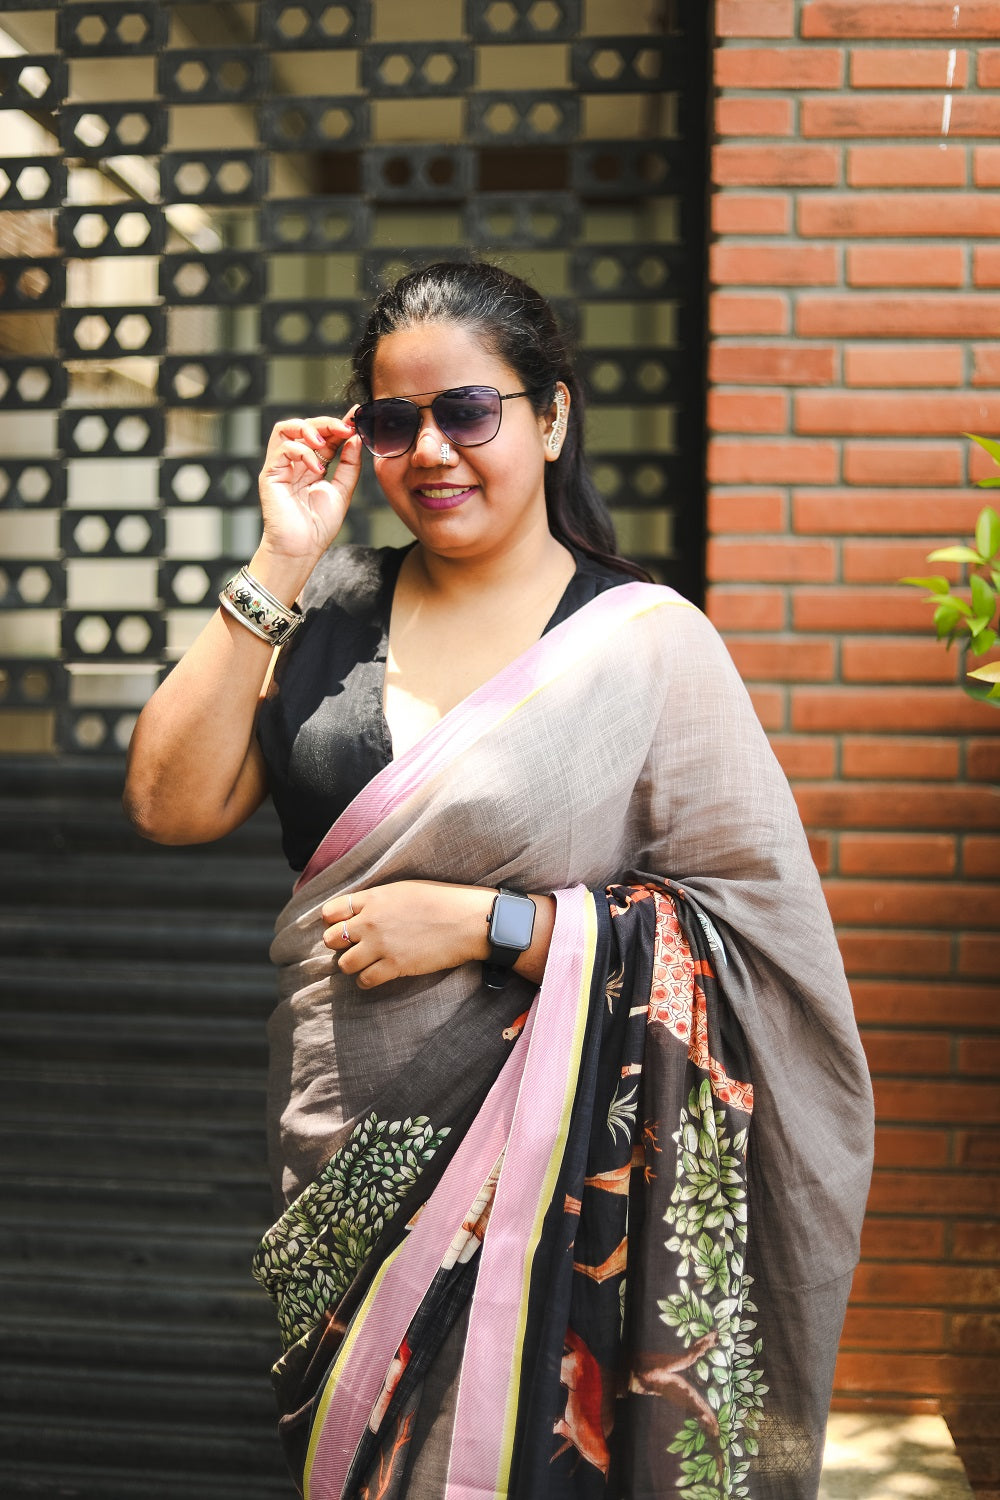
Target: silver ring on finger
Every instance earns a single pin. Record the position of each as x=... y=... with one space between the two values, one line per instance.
x=345 y=934
x=350 y=906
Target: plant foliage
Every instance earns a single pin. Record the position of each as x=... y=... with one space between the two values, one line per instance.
x=972 y=620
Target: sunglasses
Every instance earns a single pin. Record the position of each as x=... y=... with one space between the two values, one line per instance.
x=467 y=416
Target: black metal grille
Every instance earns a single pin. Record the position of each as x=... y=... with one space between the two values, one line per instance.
x=199 y=202
x=196 y=202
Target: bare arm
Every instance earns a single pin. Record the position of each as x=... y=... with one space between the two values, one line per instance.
x=195 y=771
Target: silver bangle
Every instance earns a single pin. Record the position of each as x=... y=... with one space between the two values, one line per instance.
x=256 y=607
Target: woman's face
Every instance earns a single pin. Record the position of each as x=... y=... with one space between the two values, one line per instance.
x=480 y=501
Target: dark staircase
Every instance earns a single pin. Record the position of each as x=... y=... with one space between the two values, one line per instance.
x=134 y=988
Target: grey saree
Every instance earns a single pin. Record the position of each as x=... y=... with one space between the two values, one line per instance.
x=598 y=1240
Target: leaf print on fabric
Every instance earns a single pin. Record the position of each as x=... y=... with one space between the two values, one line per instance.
x=309 y=1258
x=622 y=1112
x=711 y=1311
x=613 y=987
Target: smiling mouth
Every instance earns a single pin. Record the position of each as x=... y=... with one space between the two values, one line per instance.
x=443 y=496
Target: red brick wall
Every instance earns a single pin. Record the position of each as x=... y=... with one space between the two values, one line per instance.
x=855 y=313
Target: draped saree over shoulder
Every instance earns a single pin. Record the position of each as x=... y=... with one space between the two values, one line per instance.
x=595 y=1241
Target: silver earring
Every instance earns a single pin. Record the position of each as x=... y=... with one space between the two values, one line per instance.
x=446 y=453
x=558 y=427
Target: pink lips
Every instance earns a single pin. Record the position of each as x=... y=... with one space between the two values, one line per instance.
x=444 y=499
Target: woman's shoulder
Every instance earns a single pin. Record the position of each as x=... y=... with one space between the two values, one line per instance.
x=592 y=577
x=663 y=612
x=353 y=579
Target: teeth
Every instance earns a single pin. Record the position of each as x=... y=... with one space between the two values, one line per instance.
x=445 y=493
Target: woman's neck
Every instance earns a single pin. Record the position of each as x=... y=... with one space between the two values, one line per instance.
x=536 y=559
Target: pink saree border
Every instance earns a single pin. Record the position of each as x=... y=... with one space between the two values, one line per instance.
x=483 y=1435
x=526 y=1116
x=546 y=659
x=356 y=1380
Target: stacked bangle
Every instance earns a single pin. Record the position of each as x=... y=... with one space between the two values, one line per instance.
x=256 y=607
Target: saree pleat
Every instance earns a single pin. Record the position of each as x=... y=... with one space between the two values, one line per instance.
x=639 y=1293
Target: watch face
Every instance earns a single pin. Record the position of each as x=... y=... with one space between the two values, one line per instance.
x=513 y=919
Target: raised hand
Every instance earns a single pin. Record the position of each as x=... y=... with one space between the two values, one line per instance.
x=304 y=510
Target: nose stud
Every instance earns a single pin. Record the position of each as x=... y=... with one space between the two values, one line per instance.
x=445 y=453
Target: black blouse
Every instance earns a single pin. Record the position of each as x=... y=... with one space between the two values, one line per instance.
x=322 y=729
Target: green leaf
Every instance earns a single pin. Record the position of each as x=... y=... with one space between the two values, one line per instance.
x=992 y=483
x=950 y=611
x=956 y=554
x=987 y=444
x=990 y=672
x=936 y=584
x=983 y=640
x=983 y=692
x=984 y=600
x=988 y=532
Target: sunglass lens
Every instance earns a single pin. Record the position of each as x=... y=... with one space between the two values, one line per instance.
x=468 y=416
x=387 y=427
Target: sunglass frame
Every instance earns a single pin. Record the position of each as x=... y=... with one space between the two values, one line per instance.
x=460 y=391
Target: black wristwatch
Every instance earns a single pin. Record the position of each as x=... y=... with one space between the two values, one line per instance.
x=511 y=922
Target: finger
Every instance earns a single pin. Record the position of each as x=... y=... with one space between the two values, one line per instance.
x=293 y=451
x=324 y=490
x=340 y=908
x=380 y=972
x=348 y=470
x=328 y=422
x=327 y=432
x=297 y=426
x=356 y=957
x=337 y=936
x=292 y=429
x=322 y=434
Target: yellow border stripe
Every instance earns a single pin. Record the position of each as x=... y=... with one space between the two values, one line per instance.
x=548 y=1185
x=323 y=1407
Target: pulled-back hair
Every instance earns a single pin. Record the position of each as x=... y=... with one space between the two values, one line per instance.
x=518 y=326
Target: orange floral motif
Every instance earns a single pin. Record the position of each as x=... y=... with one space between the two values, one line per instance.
x=612 y=1265
x=388 y=1461
x=633 y=894
x=649 y=1144
x=616 y=1179
x=511 y=1032
x=675 y=982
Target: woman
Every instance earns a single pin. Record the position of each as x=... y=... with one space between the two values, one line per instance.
x=588 y=1238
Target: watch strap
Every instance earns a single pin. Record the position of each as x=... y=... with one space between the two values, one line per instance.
x=503 y=956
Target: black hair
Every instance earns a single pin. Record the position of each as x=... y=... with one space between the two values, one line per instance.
x=516 y=324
